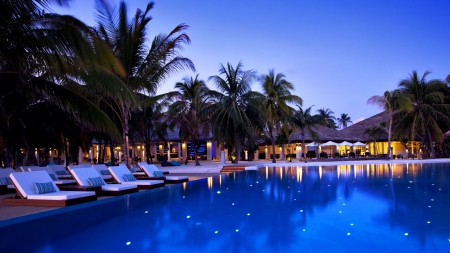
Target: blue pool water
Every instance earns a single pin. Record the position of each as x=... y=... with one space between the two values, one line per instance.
x=349 y=208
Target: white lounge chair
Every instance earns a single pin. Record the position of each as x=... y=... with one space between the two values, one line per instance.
x=152 y=171
x=4 y=177
x=25 y=184
x=118 y=173
x=60 y=171
x=51 y=173
x=102 y=169
x=84 y=177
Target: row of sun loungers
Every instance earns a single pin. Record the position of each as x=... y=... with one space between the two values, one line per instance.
x=54 y=186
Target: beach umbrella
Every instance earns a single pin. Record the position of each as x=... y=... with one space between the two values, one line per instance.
x=359 y=144
x=313 y=144
x=345 y=143
x=330 y=143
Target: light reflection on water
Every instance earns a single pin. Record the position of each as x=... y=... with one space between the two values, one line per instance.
x=348 y=208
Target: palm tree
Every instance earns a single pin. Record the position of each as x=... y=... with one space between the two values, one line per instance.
x=276 y=91
x=326 y=118
x=235 y=102
x=344 y=120
x=189 y=111
x=428 y=110
x=42 y=56
x=391 y=102
x=145 y=68
x=374 y=134
x=306 y=123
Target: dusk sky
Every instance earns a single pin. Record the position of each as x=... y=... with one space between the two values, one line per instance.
x=336 y=53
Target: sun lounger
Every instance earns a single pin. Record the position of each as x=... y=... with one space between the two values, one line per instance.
x=119 y=174
x=152 y=171
x=36 y=188
x=102 y=169
x=86 y=177
x=60 y=171
x=56 y=180
x=141 y=164
x=5 y=180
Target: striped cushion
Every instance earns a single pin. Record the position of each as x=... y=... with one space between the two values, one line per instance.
x=96 y=181
x=158 y=173
x=44 y=187
x=5 y=181
x=53 y=177
x=105 y=172
x=128 y=177
x=61 y=173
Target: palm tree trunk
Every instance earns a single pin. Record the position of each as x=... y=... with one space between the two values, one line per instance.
x=111 y=147
x=238 y=151
x=126 y=144
x=389 y=153
x=273 y=152
x=430 y=138
x=197 y=163
x=303 y=145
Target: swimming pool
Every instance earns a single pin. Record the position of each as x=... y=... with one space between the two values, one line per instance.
x=347 y=208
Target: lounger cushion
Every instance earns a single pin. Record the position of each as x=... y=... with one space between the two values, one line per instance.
x=105 y=172
x=144 y=182
x=158 y=173
x=128 y=177
x=96 y=181
x=62 y=195
x=53 y=177
x=61 y=173
x=117 y=187
x=42 y=188
x=5 y=181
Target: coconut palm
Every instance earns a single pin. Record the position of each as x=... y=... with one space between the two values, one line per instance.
x=276 y=92
x=344 y=120
x=145 y=67
x=189 y=111
x=326 y=118
x=428 y=110
x=42 y=56
x=391 y=102
x=305 y=123
x=235 y=102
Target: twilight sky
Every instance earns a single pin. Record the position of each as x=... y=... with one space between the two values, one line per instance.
x=336 y=53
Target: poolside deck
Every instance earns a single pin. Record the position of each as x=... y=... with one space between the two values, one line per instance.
x=213 y=168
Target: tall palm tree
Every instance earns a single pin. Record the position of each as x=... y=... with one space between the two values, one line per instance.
x=145 y=67
x=326 y=118
x=428 y=110
x=344 y=120
x=374 y=134
x=42 y=56
x=305 y=123
x=230 y=120
x=189 y=111
x=391 y=102
x=276 y=92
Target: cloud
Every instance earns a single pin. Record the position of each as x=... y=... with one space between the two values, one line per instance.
x=358 y=120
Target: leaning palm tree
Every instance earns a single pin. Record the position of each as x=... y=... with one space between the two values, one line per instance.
x=326 y=118
x=145 y=67
x=428 y=110
x=230 y=121
x=344 y=120
x=305 y=123
x=391 y=102
x=189 y=111
x=276 y=92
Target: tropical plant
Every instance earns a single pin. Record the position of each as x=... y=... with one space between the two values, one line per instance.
x=189 y=112
x=305 y=123
x=374 y=134
x=42 y=57
x=344 y=120
x=428 y=111
x=235 y=102
x=326 y=118
x=391 y=102
x=145 y=68
x=276 y=92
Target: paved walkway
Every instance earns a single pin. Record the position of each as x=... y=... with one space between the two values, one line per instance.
x=209 y=169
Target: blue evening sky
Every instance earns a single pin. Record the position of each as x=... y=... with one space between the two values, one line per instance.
x=337 y=53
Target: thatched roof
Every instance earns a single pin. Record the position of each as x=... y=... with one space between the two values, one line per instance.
x=355 y=132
